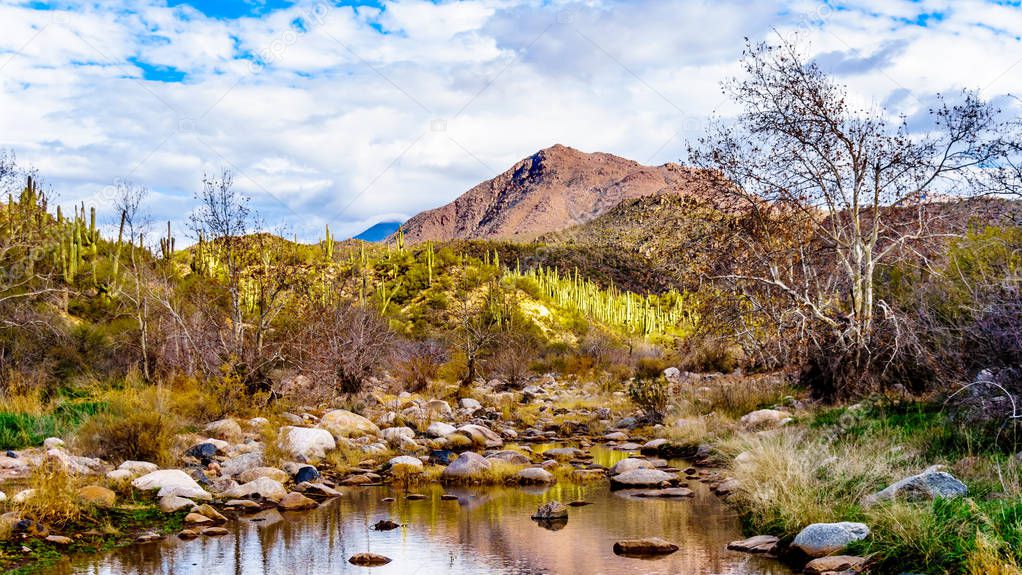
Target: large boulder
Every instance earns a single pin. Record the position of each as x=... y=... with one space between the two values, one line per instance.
x=396 y=436
x=240 y=464
x=440 y=429
x=263 y=488
x=536 y=475
x=466 y=467
x=629 y=464
x=225 y=429
x=481 y=436
x=927 y=485
x=165 y=479
x=509 y=456
x=307 y=443
x=273 y=473
x=641 y=478
x=764 y=419
x=343 y=423
x=820 y=539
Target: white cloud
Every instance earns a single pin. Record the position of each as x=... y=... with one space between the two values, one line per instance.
x=361 y=114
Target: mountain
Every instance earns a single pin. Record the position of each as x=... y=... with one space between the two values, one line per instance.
x=550 y=190
x=378 y=232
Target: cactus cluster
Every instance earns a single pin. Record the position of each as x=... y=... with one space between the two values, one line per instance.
x=635 y=313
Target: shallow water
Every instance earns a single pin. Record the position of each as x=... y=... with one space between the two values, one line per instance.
x=487 y=530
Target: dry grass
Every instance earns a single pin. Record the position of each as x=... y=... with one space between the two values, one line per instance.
x=791 y=478
x=55 y=500
x=734 y=396
x=688 y=431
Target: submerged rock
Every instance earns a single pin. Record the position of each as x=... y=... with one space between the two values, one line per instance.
x=834 y=564
x=644 y=547
x=821 y=539
x=295 y=502
x=551 y=510
x=368 y=560
x=385 y=525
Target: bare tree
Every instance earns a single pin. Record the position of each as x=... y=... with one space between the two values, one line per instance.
x=830 y=191
x=345 y=345
x=222 y=219
x=135 y=222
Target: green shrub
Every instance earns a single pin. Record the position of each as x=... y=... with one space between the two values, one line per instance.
x=651 y=396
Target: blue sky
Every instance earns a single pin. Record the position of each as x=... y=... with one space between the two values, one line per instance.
x=349 y=113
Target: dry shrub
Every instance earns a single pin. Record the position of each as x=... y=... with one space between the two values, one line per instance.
x=137 y=424
x=511 y=359
x=55 y=500
x=735 y=396
x=344 y=345
x=651 y=396
x=704 y=354
x=419 y=363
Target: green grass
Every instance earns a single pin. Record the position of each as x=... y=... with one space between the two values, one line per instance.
x=18 y=430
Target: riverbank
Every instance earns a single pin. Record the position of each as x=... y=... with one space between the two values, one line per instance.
x=781 y=460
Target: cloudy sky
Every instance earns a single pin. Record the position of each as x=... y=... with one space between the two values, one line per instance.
x=350 y=113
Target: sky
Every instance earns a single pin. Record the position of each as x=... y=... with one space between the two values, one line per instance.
x=350 y=113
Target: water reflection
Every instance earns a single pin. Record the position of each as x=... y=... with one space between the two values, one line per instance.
x=486 y=530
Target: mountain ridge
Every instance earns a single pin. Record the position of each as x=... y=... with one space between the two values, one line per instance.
x=553 y=189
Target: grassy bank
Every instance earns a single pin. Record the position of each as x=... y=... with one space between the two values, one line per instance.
x=819 y=468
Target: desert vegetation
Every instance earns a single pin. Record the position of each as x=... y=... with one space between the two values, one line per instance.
x=836 y=310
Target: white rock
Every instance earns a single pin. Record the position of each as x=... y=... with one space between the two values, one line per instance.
x=440 y=429
x=343 y=423
x=23 y=496
x=306 y=442
x=406 y=463
x=163 y=479
x=137 y=468
x=470 y=404
x=264 y=487
x=53 y=443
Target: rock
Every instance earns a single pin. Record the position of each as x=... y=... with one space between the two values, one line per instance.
x=834 y=564
x=441 y=457
x=245 y=504
x=395 y=435
x=187 y=534
x=173 y=503
x=197 y=519
x=821 y=539
x=98 y=495
x=470 y=404
x=204 y=452
x=641 y=478
x=137 y=468
x=23 y=496
x=385 y=525
x=439 y=408
x=264 y=488
x=536 y=475
x=53 y=443
x=235 y=466
x=148 y=537
x=670 y=493
x=467 y=466
x=756 y=544
x=653 y=446
x=59 y=539
x=306 y=473
x=210 y=513
x=628 y=447
x=481 y=436
x=306 y=443
x=440 y=429
x=30 y=527
x=512 y=457
x=368 y=560
x=644 y=547
x=343 y=423
x=75 y=463
x=415 y=497
x=225 y=429
x=295 y=502
x=3 y=497
x=551 y=510
x=672 y=375
x=630 y=464
x=317 y=489
x=214 y=531
x=727 y=487
x=166 y=479
x=927 y=485
x=273 y=473
x=764 y=419
x=405 y=464
x=563 y=453
x=616 y=436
